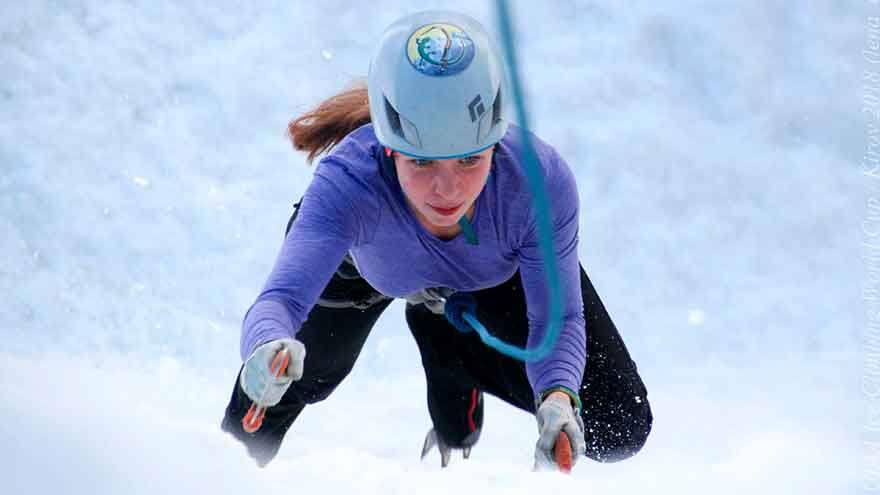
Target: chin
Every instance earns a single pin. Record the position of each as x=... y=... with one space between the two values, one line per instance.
x=444 y=221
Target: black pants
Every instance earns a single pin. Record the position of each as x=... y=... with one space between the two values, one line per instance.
x=459 y=368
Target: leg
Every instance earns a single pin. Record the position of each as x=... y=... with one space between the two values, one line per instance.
x=459 y=367
x=263 y=444
x=333 y=337
x=616 y=411
x=617 y=416
x=454 y=401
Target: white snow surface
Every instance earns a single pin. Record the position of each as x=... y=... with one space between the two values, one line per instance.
x=145 y=181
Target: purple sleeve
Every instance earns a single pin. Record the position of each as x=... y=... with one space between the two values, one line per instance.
x=325 y=229
x=564 y=366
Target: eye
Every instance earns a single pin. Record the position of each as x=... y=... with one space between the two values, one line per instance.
x=421 y=163
x=470 y=160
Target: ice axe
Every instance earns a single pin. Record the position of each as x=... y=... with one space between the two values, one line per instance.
x=562 y=453
x=253 y=420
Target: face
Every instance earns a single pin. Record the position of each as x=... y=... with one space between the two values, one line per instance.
x=440 y=192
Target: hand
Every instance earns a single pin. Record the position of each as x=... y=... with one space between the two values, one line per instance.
x=557 y=414
x=434 y=298
x=257 y=379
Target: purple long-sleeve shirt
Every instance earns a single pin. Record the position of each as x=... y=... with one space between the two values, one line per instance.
x=354 y=205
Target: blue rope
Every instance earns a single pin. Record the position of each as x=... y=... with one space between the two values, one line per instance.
x=541 y=206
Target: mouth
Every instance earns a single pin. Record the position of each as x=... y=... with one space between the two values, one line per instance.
x=446 y=212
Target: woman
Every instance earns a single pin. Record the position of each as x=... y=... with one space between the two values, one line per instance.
x=422 y=196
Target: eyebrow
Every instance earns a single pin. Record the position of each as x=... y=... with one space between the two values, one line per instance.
x=468 y=157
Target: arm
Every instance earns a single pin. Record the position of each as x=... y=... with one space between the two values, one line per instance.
x=326 y=228
x=564 y=366
x=556 y=379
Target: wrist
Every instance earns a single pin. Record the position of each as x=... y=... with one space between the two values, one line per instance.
x=562 y=393
x=558 y=396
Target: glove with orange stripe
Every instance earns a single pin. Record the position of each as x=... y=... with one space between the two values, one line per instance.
x=257 y=378
x=557 y=414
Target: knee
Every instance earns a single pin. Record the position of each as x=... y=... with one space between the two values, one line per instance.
x=620 y=436
x=260 y=446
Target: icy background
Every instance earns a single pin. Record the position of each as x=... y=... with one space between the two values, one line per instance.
x=145 y=181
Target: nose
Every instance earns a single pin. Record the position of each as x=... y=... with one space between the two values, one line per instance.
x=446 y=182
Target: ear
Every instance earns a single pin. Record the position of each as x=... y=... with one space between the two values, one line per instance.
x=388 y=151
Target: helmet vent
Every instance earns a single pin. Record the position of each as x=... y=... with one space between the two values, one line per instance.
x=496 y=108
x=393 y=118
x=401 y=126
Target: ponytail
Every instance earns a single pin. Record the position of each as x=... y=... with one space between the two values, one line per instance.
x=323 y=127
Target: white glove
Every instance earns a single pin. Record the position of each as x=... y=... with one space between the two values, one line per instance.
x=557 y=414
x=257 y=379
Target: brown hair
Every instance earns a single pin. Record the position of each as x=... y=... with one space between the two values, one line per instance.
x=323 y=127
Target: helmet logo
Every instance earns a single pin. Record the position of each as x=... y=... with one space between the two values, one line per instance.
x=476 y=108
x=440 y=49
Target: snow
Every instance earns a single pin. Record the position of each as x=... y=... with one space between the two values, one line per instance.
x=145 y=182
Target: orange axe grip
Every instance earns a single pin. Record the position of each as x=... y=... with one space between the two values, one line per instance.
x=253 y=420
x=562 y=453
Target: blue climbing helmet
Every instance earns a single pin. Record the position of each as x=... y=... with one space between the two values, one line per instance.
x=435 y=86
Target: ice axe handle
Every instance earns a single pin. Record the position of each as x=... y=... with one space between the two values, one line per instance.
x=562 y=453
x=253 y=420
